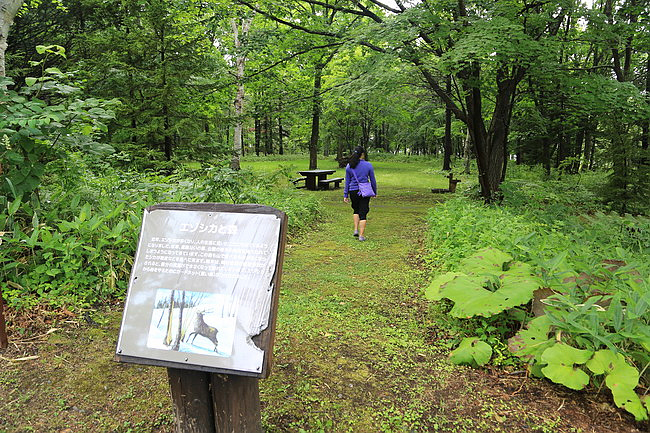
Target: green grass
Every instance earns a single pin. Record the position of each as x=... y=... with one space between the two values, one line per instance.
x=357 y=348
x=420 y=175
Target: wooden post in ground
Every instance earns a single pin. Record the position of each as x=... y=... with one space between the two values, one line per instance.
x=236 y=404
x=215 y=403
x=192 y=400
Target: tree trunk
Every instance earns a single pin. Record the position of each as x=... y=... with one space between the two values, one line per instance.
x=8 y=11
x=240 y=63
x=488 y=144
x=280 y=138
x=579 y=150
x=384 y=134
x=258 y=135
x=268 y=127
x=546 y=155
x=446 y=164
x=170 y=321
x=243 y=142
x=315 y=117
x=467 y=152
x=167 y=140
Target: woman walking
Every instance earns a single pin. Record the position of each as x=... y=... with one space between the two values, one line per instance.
x=360 y=185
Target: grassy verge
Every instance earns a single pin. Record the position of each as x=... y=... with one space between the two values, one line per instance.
x=357 y=347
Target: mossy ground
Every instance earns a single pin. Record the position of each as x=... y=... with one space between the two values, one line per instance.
x=357 y=348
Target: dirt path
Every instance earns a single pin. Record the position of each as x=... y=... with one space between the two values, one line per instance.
x=357 y=350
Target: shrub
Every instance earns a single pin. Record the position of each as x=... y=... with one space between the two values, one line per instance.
x=592 y=267
x=76 y=246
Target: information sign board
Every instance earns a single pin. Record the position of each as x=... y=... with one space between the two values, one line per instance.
x=204 y=287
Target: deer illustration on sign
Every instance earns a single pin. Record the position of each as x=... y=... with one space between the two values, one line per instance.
x=203 y=329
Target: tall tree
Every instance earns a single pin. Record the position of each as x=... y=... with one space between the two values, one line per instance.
x=482 y=46
x=8 y=11
x=240 y=28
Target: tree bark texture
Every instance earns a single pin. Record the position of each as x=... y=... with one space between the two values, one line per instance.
x=280 y=136
x=258 y=135
x=214 y=403
x=315 y=117
x=467 y=151
x=236 y=401
x=190 y=392
x=268 y=135
x=446 y=164
x=8 y=11
x=240 y=63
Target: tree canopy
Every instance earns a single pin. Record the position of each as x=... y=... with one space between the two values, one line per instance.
x=560 y=83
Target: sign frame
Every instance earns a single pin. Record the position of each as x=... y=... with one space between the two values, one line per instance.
x=266 y=338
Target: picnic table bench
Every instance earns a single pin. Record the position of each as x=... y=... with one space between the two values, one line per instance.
x=325 y=184
x=315 y=177
x=297 y=180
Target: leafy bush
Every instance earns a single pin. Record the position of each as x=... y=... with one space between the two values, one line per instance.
x=592 y=270
x=75 y=246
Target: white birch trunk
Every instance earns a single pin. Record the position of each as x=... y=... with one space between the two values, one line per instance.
x=240 y=63
x=8 y=11
x=467 y=151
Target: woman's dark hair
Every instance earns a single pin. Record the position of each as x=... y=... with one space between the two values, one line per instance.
x=356 y=154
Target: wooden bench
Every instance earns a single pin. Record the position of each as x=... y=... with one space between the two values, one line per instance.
x=325 y=184
x=297 y=180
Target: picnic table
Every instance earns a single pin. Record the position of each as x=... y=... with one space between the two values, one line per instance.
x=317 y=179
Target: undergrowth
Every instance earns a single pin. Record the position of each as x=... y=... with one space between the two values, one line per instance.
x=72 y=243
x=562 y=284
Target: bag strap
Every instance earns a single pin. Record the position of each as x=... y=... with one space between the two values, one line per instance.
x=355 y=175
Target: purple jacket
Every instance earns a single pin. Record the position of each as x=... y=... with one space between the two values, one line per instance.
x=364 y=172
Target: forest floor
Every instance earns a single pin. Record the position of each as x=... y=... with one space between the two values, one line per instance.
x=358 y=349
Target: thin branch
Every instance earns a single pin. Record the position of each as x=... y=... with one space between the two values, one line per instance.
x=334 y=7
x=369 y=13
x=286 y=23
x=590 y=68
x=386 y=7
x=286 y=59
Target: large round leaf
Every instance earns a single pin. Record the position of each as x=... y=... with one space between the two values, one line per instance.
x=561 y=361
x=471 y=351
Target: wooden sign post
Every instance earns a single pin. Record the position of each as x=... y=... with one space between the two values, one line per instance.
x=202 y=301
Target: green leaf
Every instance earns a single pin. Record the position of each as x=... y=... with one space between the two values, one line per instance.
x=605 y=361
x=87 y=129
x=487 y=260
x=433 y=291
x=561 y=361
x=622 y=382
x=14 y=157
x=487 y=289
x=621 y=379
x=15 y=205
x=471 y=351
x=85 y=212
x=530 y=343
x=30 y=81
